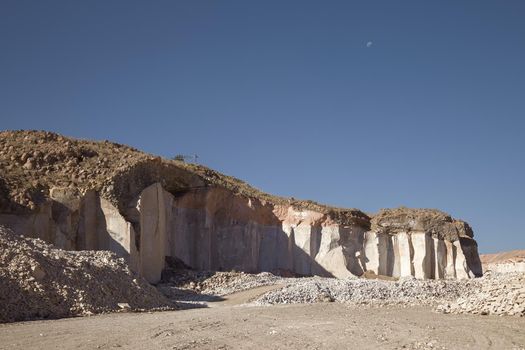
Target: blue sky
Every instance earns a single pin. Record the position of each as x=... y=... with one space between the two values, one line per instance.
x=287 y=96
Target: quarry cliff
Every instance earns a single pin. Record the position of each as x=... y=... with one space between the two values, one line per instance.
x=86 y=195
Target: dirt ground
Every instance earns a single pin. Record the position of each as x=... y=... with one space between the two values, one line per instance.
x=227 y=324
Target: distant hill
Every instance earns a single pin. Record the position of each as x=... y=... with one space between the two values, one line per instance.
x=503 y=257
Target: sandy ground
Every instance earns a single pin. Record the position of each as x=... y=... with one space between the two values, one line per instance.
x=229 y=325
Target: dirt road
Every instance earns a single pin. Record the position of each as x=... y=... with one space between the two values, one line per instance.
x=317 y=326
x=244 y=296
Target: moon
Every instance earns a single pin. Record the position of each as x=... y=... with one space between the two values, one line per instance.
x=369 y=44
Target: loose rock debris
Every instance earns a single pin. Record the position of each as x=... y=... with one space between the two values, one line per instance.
x=38 y=281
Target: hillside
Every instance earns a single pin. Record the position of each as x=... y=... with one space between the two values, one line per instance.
x=512 y=256
x=33 y=162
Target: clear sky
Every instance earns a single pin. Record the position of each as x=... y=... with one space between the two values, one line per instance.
x=367 y=104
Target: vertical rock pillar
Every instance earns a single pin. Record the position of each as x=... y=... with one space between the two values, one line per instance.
x=371 y=246
x=450 y=268
x=441 y=258
x=462 y=270
x=151 y=206
x=405 y=254
x=421 y=262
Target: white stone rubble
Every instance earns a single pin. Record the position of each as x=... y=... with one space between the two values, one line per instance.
x=494 y=294
x=40 y=281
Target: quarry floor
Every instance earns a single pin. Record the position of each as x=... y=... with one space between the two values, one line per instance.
x=228 y=325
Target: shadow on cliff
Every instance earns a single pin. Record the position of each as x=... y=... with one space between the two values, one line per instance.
x=470 y=250
x=301 y=263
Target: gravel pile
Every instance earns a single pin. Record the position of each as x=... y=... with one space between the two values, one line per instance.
x=191 y=286
x=33 y=162
x=38 y=281
x=496 y=294
x=362 y=291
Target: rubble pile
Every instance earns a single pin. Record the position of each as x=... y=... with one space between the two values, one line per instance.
x=214 y=282
x=38 y=281
x=407 y=291
x=496 y=294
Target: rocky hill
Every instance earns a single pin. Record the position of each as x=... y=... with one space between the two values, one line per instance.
x=503 y=257
x=85 y=195
x=33 y=162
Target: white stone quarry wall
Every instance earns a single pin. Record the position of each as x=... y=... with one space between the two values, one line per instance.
x=415 y=254
x=438 y=268
x=112 y=232
x=421 y=258
x=405 y=253
x=336 y=253
x=154 y=206
x=371 y=252
x=462 y=269
x=450 y=268
x=216 y=230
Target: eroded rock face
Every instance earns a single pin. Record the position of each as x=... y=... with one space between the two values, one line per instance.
x=215 y=229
